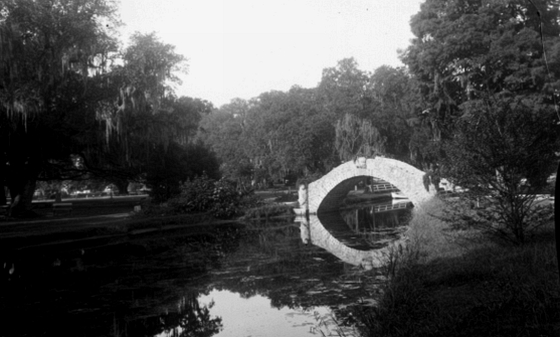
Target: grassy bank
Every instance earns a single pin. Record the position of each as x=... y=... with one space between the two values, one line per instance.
x=460 y=283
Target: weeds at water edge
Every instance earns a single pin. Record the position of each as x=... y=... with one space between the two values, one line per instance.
x=449 y=286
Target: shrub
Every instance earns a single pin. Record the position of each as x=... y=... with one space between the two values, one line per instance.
x=451 y=283
x=503 y=152
x=168 y=168
x=195 y=196
x=486 y=215
x=267 y=211
x=221 y=198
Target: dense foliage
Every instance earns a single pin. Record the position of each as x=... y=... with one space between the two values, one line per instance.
x=48 y=99
x=479 y=96
x=280 y=136
x=489 y=73
x=221 y=198
x=458 y=283
x=475 y=50
x=513 y=157
x=73 y=105
x=74 y=112
x=168 y=168
x=357 y=137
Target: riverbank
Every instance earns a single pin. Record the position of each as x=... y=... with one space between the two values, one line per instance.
x=94 y=223
x=459 y=283
x=101 y=221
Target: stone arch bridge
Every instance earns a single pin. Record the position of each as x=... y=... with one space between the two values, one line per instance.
x=327 y=192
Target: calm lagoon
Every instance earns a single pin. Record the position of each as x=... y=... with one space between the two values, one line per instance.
x=264 y=278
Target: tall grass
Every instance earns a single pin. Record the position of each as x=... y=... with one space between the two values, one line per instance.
x=451 y=282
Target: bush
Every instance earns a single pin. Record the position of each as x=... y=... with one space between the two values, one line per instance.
x=221 y=198
x=503 y=151
x=168 y=168
x=485 y=215
x=449 y=282
x=267 y=211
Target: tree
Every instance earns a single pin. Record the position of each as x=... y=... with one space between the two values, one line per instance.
x=190 y=319
x=222 y=131
x=292 y=133
x=467 y=50
x=502 y=154
x=141 y=88
x=396 y=103
x=489 y=74
x=168 y=168
x=51 y=55
x=357 y=138
x=63 y=99
x=126 y=157
x=271 y=136
x=185 y=114
x=344 y=89
x=141 y=115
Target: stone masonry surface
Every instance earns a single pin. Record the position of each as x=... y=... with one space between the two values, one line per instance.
x=333 y=187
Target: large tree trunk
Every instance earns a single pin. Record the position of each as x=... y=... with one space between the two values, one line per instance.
x=557 y=217
x=22 y=180
x=3 y=198
x=122 y=186
x=3 y=176
x=22 y=197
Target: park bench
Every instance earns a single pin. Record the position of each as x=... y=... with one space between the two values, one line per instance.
x=62 y=207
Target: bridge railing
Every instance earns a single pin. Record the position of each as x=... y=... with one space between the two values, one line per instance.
x=383 y=188
x=389 y=207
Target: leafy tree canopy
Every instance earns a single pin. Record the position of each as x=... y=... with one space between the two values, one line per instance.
x=69 y=110
x=466 y=49
x=51 y=56
x=343 y=89
x=357 y=138
x=472 y=50
x=489 y=73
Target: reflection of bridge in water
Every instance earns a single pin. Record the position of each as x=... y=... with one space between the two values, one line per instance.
x=345 y=240
x=328 y=229
x=378 y=223
x=391 y=206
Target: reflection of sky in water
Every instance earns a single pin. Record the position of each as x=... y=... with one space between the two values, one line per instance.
x=256 y=317
x=272 y=284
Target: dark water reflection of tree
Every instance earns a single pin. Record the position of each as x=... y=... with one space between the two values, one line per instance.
x=152 y=285
x=146 y=286
x=191 y=319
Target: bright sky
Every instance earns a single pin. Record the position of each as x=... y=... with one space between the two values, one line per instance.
x=243 y=48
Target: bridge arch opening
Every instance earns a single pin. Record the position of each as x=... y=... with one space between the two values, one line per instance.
x=335 y=196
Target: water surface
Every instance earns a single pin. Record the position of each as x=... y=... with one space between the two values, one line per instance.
x=257 y=279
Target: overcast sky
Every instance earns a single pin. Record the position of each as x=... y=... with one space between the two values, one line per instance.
x=242 y=48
